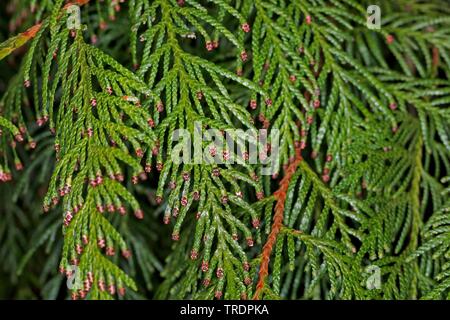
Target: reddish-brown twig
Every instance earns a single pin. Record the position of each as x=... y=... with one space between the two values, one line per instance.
x=280 y=196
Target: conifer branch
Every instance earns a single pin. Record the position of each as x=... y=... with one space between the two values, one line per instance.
x=366 y=108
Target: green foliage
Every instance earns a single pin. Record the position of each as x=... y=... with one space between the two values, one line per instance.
x=368 y=108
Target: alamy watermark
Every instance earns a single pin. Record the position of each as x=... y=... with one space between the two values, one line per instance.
x=373 y=280
x=74 y=17
x=227 y=146
x=373 y=17
x=73 y=279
